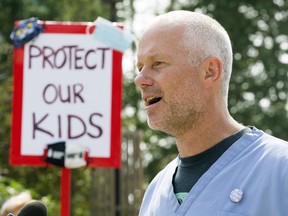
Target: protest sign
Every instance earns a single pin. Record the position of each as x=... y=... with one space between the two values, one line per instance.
x=67 y=87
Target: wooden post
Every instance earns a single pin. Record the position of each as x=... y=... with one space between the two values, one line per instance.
x=65 y=191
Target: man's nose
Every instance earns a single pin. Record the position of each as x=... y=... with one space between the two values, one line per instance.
x=143 y=80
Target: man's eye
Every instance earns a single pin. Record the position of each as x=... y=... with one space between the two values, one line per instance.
x=157 y=63
x=139 y=67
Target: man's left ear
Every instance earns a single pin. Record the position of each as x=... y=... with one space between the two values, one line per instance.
x=212 y=70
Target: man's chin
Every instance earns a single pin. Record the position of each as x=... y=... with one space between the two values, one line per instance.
x=157 y=126
x=153 y=125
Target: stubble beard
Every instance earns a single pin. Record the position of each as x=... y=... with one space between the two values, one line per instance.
x=178 y=120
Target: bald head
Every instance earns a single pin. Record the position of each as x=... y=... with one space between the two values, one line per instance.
x=200 y=36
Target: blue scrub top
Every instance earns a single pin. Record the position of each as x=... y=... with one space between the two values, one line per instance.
x=249 y=179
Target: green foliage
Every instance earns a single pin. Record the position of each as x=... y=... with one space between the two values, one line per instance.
x=10 y=187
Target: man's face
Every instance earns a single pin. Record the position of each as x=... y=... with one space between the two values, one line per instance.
x=169 y=85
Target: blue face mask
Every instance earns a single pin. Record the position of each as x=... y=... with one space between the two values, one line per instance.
x=112 y=36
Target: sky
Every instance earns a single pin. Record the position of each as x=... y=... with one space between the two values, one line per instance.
x=145 y=11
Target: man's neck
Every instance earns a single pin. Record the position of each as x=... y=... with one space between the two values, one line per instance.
x=206 y=135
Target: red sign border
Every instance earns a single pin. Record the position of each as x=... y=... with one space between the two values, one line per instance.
x=16 y=159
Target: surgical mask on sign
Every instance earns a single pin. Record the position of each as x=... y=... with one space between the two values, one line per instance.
x=111 y=35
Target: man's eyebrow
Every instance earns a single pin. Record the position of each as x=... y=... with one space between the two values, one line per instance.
x=150 y=57
x=153 y=56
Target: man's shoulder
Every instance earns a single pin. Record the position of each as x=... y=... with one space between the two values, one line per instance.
x=267 y=150
x=274 y=145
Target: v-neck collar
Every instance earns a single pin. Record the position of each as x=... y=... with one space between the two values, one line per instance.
x=213 y=171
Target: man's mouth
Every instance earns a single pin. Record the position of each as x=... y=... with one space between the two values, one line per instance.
x=152 y=100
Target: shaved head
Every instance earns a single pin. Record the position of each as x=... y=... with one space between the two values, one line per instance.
x=202 y=37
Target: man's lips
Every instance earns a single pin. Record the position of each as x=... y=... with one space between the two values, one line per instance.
x=148 y=101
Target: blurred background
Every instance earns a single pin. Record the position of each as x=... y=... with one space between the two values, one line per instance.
x=258 y=95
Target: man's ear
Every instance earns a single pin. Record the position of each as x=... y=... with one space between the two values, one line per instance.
x=212 y=71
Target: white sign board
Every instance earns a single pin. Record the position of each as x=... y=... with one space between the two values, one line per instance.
x=70 y=91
